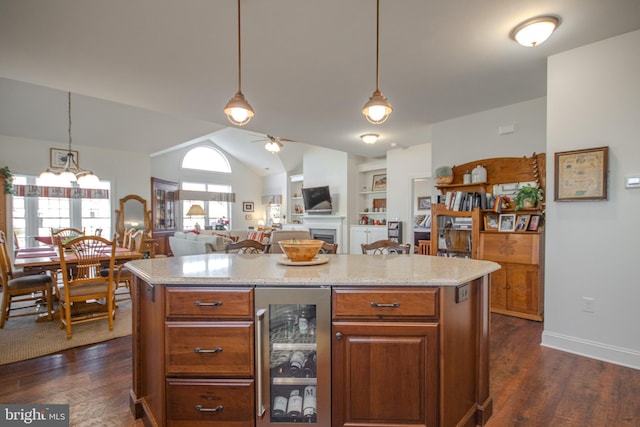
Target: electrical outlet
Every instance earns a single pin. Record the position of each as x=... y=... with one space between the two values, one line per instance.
x=589 y=304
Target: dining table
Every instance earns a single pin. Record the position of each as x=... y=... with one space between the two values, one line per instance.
x=45 y=259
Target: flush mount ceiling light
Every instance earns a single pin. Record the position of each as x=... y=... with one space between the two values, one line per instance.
x=70 y=171
x=369 y=138
x=238 y=110
x=534 y=31
x=377 y=109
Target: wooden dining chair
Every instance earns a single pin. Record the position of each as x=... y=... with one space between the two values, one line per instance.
x=247 y=246
x=388 y=246
x=34 y=290
x=329 y=248
x=123 y=276
x=64 y=234
x=84 y=294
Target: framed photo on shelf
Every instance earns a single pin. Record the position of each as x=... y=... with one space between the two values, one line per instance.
x=247 y=206
x=379 y=182
x=491 y=222
x=534 y=223
x=581 y=174
x=424 y=203
x=58 y=157
x=507 y=222
x=522 y=222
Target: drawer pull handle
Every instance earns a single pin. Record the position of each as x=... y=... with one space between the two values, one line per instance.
x=199 y=350
x=393 y=304
x=207 y=304
x=201 y=408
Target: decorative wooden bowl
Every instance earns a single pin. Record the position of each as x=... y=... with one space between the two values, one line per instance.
x=444 y=180
x=300 y=250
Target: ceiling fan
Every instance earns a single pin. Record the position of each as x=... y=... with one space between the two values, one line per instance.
x=273 y=143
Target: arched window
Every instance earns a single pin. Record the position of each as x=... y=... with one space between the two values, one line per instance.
x=206 y=159
x=201 y=187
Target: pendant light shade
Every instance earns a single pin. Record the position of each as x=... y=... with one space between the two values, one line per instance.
x=377 y=110
x=238 y=109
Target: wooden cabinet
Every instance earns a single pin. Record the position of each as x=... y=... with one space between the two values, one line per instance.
x=454 y=233
x=164 y=200
x=409 y=357
x=385 y=357
x=517 y=289
x=195 y=356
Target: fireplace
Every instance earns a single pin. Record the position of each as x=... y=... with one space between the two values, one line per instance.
x=328 y=235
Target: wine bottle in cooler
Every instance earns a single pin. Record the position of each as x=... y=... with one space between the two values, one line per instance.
x=294 y=406
x=309 y=370
x=309 y=402
x=296 y=363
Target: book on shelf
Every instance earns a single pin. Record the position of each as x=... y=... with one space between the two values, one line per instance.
x=465 y=202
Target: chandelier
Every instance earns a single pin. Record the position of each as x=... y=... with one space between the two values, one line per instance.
x=71 y=171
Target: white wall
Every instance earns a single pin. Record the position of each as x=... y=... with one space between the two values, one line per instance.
x=128 y=172
x=323 y=166
x=593 y=100
x=403 y=165
x=476 y=137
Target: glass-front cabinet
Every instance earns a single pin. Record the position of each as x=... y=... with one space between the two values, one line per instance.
x=454 y=233
x=294 y=356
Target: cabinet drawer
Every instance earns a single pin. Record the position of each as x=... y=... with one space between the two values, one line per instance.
x=208 y=303
x=385 y=303
x=210 y=348
x=224 y=403
x=517 y=248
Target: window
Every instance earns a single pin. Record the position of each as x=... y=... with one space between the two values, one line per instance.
x=217 y=211
x=207 y=189
x=206 y=159
x=38 y=207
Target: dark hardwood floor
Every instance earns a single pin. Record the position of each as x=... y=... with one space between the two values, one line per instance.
x=531 y=385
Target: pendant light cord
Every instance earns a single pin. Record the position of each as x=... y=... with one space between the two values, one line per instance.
x=239 y=53
x=69 y=104
x=377 y=40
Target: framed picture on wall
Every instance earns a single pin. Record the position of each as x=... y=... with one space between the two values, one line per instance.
x=59 y=157
x=379 y=182
x=424 y=203
x=581 y=174
x=247 y=206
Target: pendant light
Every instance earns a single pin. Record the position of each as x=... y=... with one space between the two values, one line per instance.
x=71 y=171
x=377 y=109
x=238 y=110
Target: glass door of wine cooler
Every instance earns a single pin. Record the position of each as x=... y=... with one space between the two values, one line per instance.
x=293 y=356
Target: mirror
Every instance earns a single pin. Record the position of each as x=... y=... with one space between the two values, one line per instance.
x=133 y=213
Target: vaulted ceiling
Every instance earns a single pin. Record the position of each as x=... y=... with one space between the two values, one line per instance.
x=150 y=74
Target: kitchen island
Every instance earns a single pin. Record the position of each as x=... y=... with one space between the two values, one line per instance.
x=404 y=339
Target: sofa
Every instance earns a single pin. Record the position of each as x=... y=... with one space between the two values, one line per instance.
x=208 y=241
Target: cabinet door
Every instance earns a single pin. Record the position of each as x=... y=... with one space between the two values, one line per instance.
x=384 y=374
x=523 y=288
x=377 y=233
x=499 y=289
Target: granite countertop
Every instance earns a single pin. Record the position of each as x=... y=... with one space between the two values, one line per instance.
x=340 y=270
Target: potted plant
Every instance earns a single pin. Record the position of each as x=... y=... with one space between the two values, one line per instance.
x=444 y=175
x=8 y=179
x=528 y=197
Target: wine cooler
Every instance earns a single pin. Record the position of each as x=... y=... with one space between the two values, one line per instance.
x=293 y=356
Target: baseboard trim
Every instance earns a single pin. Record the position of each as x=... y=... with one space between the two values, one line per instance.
x=592 y=349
